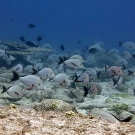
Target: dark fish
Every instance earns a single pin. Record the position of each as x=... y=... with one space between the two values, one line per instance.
x=79 y=41
x=39 y=38
x=31 y=25
x=62 y=47
x=10 y=20
x=22 y=38
x=31 y=44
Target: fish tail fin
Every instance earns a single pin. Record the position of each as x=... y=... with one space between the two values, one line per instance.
x=98 y=74
x=76 y=78
x=85 y=91
x=120 y=43
x=105 y=68
x=61 y=60
x=15 y=76
x=114 y=82
x=130 y=72
x=35 y=71
x=4 y=89
x=128 y=119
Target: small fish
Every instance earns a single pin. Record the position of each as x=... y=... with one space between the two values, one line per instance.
x=113 y=70
x=45 y=73
x=73 y=63
x=96 y=48
x=39 y=38
x=22 y=38
x=31 y=44
x=14 y=91
x=11 y=20
x=126 y=55
x=84 y=77
x=92 y=90
x=79 y=41
x=31 y=25
x=31 y=81
x=62 y=47
x=94 y=74
x=127 y=45
x=77 y=57
x=18 y=68
x=61 y=79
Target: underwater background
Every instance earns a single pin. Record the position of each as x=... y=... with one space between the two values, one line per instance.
x=75 y=23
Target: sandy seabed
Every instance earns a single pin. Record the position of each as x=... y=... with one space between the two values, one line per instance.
x=22 y=121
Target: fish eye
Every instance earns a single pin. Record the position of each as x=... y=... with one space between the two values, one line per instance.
x=38 y=83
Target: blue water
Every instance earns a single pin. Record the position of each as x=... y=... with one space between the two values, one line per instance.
x=67 y=21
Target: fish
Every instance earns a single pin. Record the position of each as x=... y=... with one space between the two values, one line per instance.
x=77 y=57
x=31 y=44
x=94 y=74
x=31 y=25
x=79 y=41
x=45 y=73
x=11 y=20
x=96 y=48
x=62 y=47
x=117 y=82
x=14 y=91
x=127 y=45
x=73 y=63
x=121 y=61
x=92 y=90
x=109 y=116
x=31 y=81
x=22 y=38
x=39 y=38
x=61 y=78
x=84 y=77
x=126 y=55
x=113 y=70
x=18 y=68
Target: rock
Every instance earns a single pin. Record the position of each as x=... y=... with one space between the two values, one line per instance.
x=53 y=104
